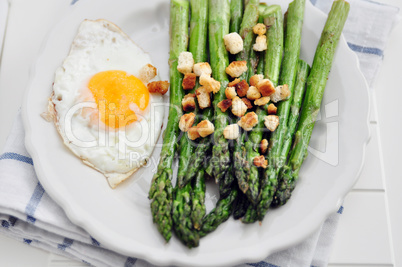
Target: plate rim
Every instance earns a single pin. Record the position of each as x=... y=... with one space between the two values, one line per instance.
x=253 y=254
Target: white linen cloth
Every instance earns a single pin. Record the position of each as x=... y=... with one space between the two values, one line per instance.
x=28 y=214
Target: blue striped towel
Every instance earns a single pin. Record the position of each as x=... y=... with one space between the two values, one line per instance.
x=28 y=214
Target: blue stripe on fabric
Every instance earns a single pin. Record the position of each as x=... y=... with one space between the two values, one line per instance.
x=12 y=220
x=130 y=262
x=73 y=2
x=95 y=242
x=18 y=157
x=5 y=224
x=34 y=202
x=27 y=241
x=314 y=2
x=67 y=242
x=262 y=264
x=340 y=211
x=366 y=50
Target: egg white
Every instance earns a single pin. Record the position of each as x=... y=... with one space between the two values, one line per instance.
x=101 y=46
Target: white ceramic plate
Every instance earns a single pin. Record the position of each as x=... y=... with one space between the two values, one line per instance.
x=121 y=220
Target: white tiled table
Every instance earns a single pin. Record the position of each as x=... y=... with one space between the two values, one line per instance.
x=370 y=231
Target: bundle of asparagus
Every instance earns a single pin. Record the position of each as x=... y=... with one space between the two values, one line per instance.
x=264 y=61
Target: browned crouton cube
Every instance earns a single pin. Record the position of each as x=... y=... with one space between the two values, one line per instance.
x=210 y=84
x=248 y=121
x=193 y=133
x=186 y=121
x=158 y=87
x=281 y=93
x=260 y=161
x=262 y=101
x=147 y=73
x=188 y=102
x=205 y=128
x=236 y=68
x=230 y=92
x=266 y=87
x=231 y=131
x=234 y=82
x=260 y=43
x=186 y=62
x=260 y=29
x=225 y=104
x=203 y=97
x=264 y=146
x=202 y=68
x=271 y=122
x=238 y=107
x=241 y=88
x=272 y=109
x=189 y=81
x=247 y=102
x=255 y=79
x=253 y=93
x=233 y=43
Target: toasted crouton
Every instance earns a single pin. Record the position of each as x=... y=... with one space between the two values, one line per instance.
x=255 y=79
x=260 y=29
x=147 y=73
x=202 y=68
x=210 y=84
x=158 y=87
x=238 y=107
x=271 y=122
x=225 y=104
x=203 y=97
x=260 y=161
x=230 y=92
x=247 y=102
x=193 y=133
x=205 y=128
x=264 y=146
x=253 y=93
x=233 y=43
x=282 y=92
x=188 y=102
x=236 y=68
x=262 y=101
x=260 y=43
x=248 y=121
x=186 y=62
x=189 y=81
x=266 y=87
x=272 y=109
x=186 y=121
x=231 y=131
x=234 y=82
x=241 y=88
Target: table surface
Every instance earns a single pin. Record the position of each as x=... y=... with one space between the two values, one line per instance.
x=369 y=232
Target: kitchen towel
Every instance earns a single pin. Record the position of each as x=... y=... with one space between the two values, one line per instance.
x=28 y=214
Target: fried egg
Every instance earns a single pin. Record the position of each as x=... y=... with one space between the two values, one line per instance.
x=101 y=108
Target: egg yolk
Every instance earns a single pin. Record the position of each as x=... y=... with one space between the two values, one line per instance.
x=115 y=92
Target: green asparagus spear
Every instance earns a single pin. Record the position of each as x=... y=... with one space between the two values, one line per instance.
x=160 y=192
x=198 y=200
x=181 y=214
x=198 y=47
x=316 y=83
x=250 y=19
x=225 y=184
x=294 y=25
x=219 y=214
x=236 y=15
x=219 y=20
x=300 y=88
x=273 y=59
